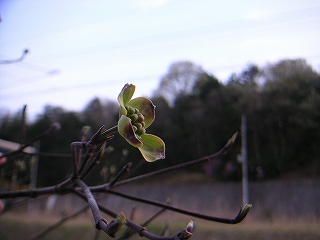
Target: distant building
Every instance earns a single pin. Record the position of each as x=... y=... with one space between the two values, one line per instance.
x=6 y=146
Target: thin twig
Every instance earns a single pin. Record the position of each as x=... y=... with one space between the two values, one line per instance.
x=59 y=223
x=240 y=216
x=23 y=125
x=81 y=164
x=125 y=169
x=82 y=138
x=54 y=127
x=130 y=232
x=11 y=203
x=73 y=148
x=221 y=152
x=59 y=187
x=30 y=192
x=93 y=163
x=142 y=231
x=44 y=154
x=96 y=140
x=24 y=53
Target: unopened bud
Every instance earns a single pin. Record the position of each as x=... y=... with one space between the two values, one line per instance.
x=190 y=226
x=116 y=224
x=133 y=117
x=130 y=110
x=140 y=131
x=138 y=125
x=56 y=126
x=187 y=232
x=140 y=118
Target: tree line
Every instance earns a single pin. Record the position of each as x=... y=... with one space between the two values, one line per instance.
x=195 y=115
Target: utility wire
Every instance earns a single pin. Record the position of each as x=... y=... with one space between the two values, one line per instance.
x=158 y=38
x=215 y=29
x=91 y=85
x=37 y=93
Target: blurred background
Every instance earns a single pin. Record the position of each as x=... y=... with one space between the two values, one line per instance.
x=205 y=64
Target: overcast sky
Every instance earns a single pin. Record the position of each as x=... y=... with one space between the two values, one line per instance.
x=81 y=49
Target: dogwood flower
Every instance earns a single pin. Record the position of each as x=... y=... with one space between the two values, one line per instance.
x=135 y=116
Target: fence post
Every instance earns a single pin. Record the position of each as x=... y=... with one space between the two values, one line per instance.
x=243 y=159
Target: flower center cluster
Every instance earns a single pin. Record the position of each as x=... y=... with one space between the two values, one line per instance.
x=137 y=120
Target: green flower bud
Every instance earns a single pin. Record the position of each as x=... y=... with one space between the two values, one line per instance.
x=138 y=125
x=133 y=117
x=130 y=110
x=140 y=131
x=140 y=118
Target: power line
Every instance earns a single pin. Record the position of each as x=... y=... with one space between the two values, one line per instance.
x=77 y=87
x=161 y=37
x=37 y=68
x=29 y=80
x=215 y=29
x=113 y=82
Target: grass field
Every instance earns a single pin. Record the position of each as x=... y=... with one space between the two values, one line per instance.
x=20 y=226
x=284 y=210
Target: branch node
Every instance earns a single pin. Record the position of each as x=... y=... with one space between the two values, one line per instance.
x=142 y=230
x=98 y=223
x=84 y=143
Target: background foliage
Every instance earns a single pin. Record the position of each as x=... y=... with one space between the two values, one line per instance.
x=195 y=115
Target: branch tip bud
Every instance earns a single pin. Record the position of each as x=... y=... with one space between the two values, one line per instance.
x=56 y=126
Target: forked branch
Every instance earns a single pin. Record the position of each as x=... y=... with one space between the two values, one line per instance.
x=83 y=168
x=142 y=231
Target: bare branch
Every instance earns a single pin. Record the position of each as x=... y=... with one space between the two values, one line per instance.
x=130 y=232
x=61 y=187
x=83 y=162
x=111 y=229
x=142 y=231
x=95 y=162
x=54 y=127
x=24 y=53
x=29 y=193
x=99 y=138
x=56 y=155
x=240 y=216
x=92 y=204
x=221 y=152
x=125 y=169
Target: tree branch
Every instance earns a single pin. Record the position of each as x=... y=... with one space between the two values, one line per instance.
x=24 y=53
x=142 y=231
x=221 y=152
x=99 y=220
x=54 y=127
x=130 y=232
x=95 y=162
x=240 y=216
x=60 y=187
